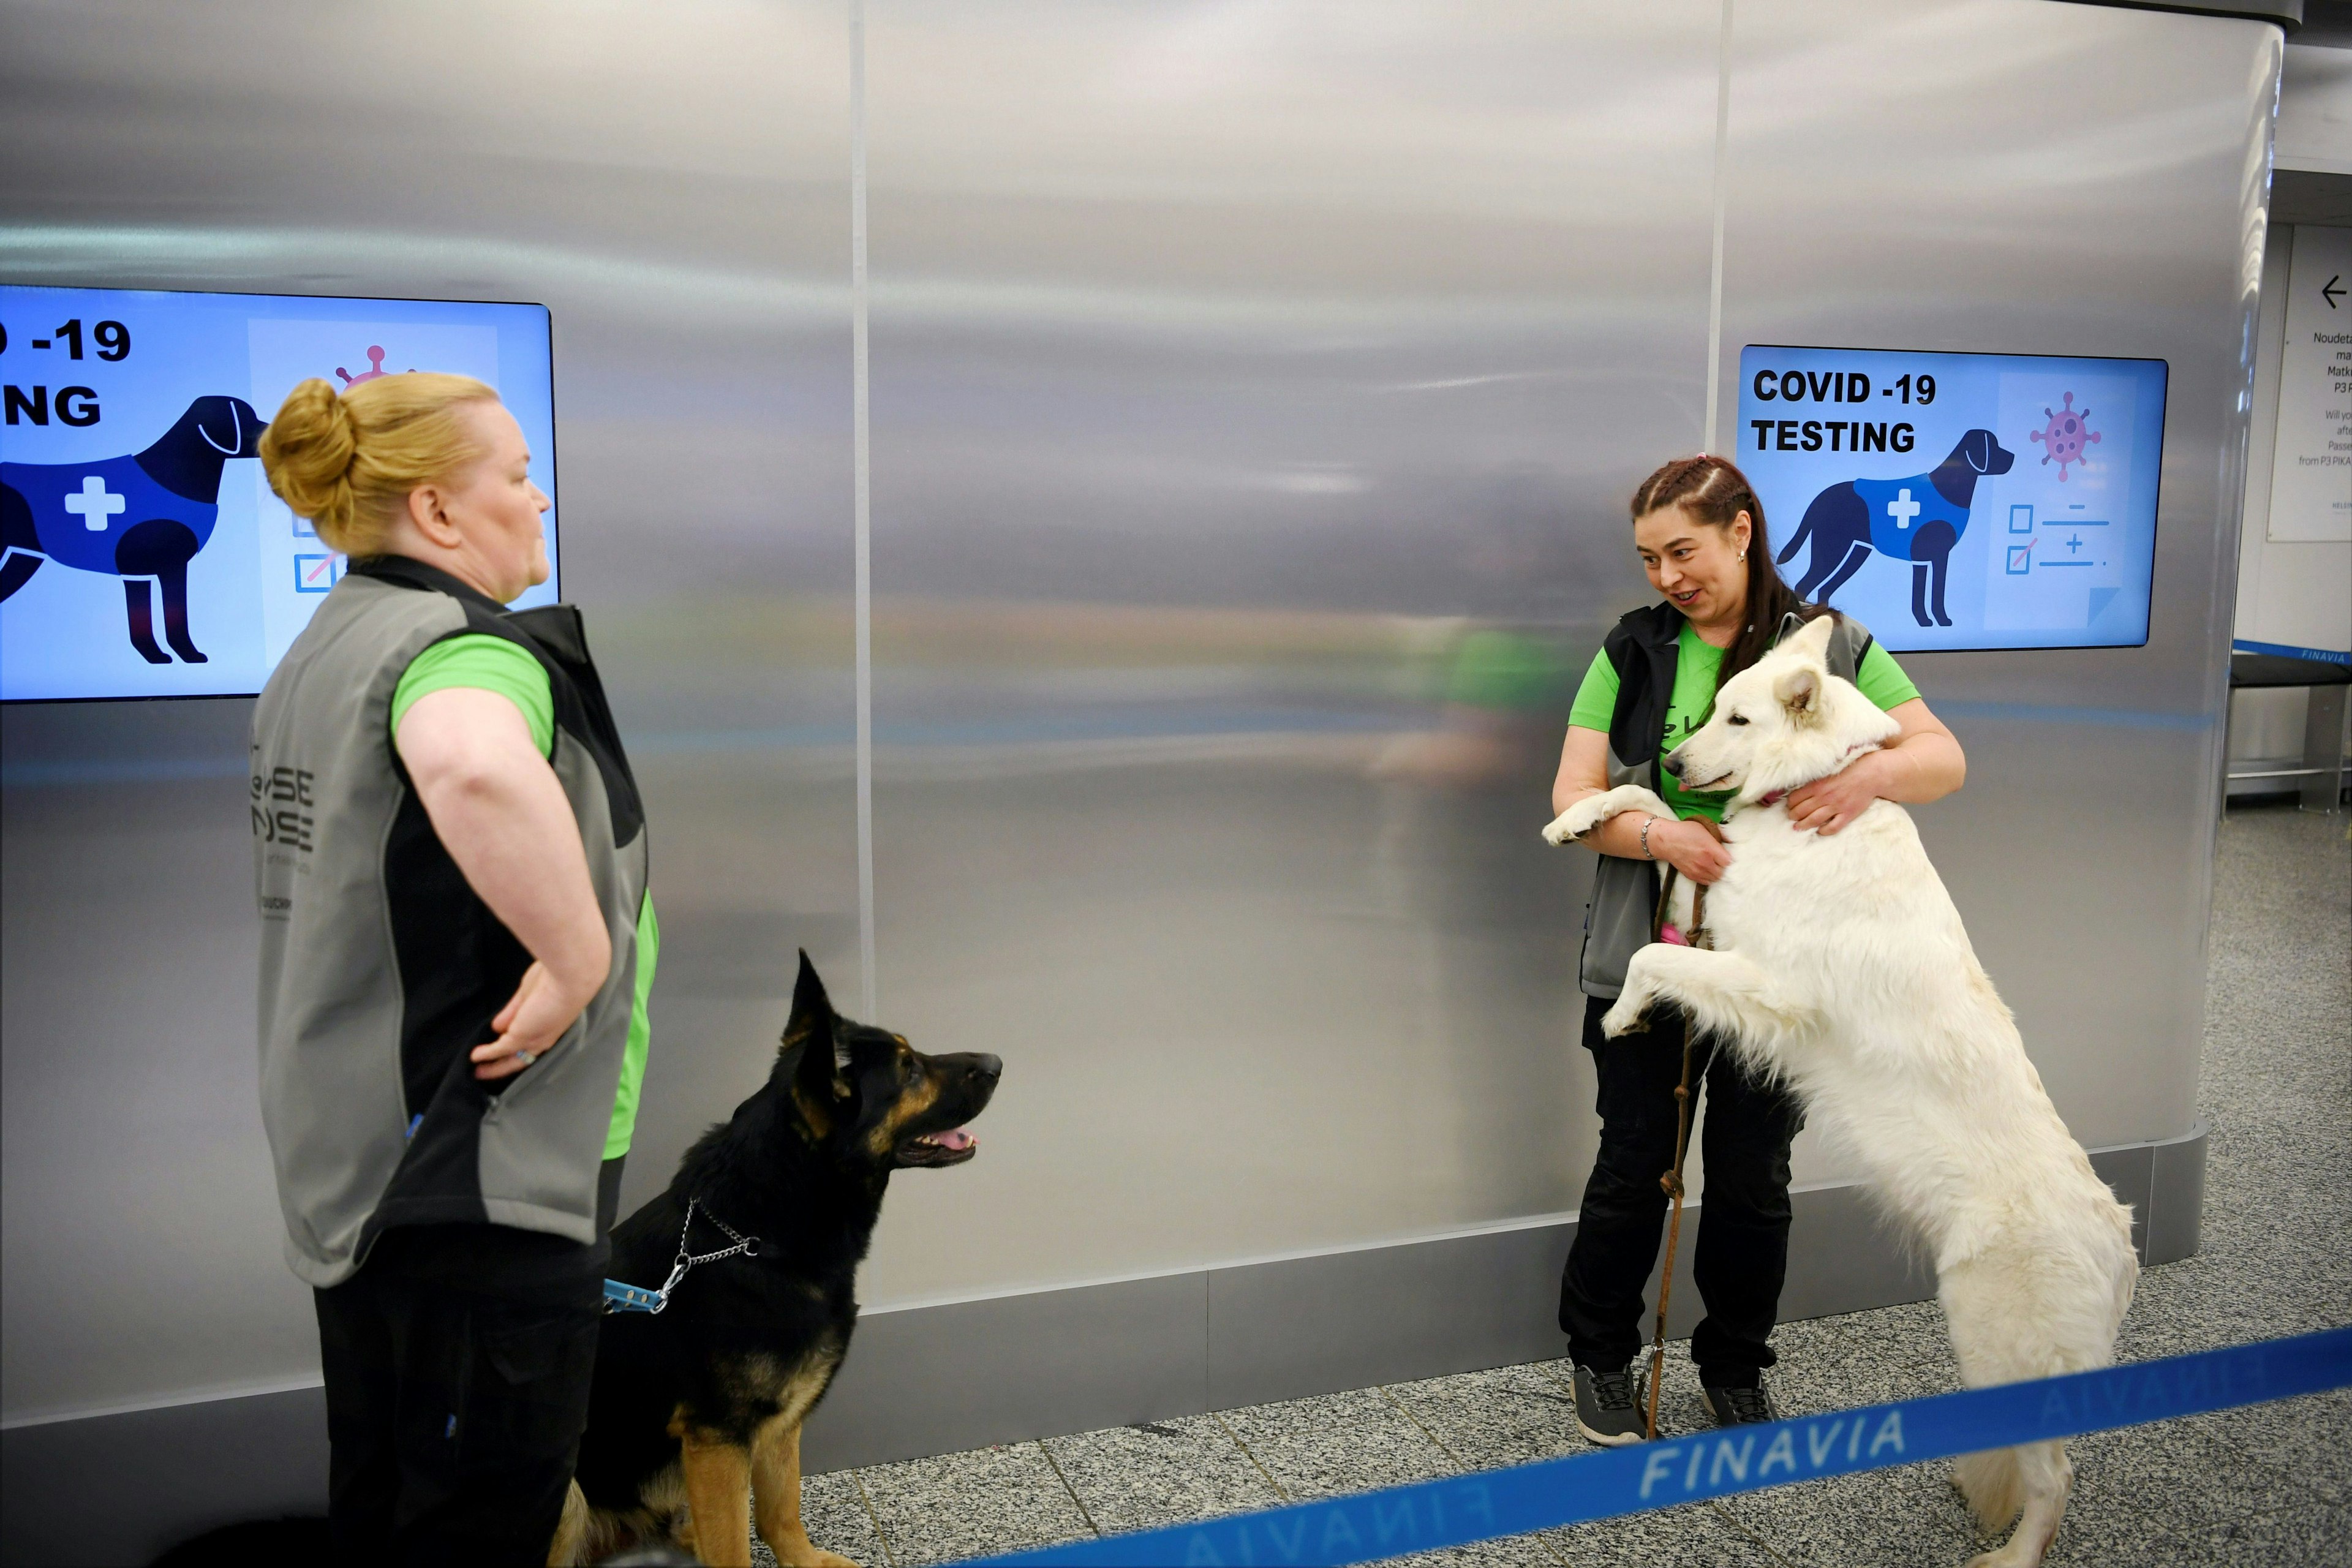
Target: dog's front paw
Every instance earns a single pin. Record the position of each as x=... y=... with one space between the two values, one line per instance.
x=803 y=1552
x=1593 y=810
x=1577 y=820
x=2018 y=1553
x=1625 y=1016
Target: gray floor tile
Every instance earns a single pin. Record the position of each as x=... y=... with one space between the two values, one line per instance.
x=1511 y=1551
x=1887 y=1517
x=1511 y=1415
x=1863 y=1358
x=2215 y=1299
x=969 y=1505
x=1164 y=1472
x=2321 y=1538
x=1685 y=1536
x=2140 y=1487
x=835 y=1518
x=1337 y=1442
x=2302 y=1440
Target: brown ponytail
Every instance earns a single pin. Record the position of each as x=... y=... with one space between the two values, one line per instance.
x=1714 y=491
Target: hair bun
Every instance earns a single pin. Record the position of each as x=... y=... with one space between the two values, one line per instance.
x=350 y=461
x=307 y=452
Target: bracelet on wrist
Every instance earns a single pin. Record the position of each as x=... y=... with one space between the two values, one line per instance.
x=1647 y=824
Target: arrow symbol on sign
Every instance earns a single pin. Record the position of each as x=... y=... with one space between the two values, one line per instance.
x=2335 y=287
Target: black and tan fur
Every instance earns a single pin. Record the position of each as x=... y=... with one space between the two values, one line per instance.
x=694 y=1428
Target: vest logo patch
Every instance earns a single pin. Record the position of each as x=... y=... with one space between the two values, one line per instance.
x=283 y=799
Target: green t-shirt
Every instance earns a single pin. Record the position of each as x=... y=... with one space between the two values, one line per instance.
x=641 y=1033
x=1696 y=664
x=485 y=663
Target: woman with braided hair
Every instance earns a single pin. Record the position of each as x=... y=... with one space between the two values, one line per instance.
x=1698 y=528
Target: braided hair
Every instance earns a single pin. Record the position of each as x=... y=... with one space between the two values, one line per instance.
x=1714 y=491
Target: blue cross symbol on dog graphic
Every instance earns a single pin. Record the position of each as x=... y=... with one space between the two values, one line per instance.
x=1917 y=518
x=138 y=517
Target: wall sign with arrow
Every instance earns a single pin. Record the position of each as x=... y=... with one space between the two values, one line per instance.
x=2311 y=467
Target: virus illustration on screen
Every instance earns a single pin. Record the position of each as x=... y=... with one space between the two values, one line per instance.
x=376 y=370
x=2064 y=437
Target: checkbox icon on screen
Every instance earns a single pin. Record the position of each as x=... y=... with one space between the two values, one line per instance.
x=2020 y=558
x=2021 y=517
x=316 y=573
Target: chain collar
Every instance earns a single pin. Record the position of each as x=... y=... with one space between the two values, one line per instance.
x=622 y=1297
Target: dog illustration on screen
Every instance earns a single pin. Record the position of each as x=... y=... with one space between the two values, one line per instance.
x=136 y=517
x=1918 y=519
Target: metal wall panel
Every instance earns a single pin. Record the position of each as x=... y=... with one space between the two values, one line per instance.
x=1256 y=390
x=673 y=184
x=2064 y=180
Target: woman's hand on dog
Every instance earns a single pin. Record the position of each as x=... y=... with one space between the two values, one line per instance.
x=1827 y=805
x=1694 y=847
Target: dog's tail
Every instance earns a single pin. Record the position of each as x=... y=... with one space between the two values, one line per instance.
x=1994 y=1484
x=572 y=1531
x=1796 y=539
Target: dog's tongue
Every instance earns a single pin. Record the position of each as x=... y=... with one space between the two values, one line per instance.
x=955 y=1138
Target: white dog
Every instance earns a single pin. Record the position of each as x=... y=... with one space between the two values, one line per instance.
x=1840 y=966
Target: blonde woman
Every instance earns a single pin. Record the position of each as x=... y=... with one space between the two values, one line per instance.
x=456 y=950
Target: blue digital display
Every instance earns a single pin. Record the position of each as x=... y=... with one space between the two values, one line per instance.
x=145 y=553
x=1955 y=501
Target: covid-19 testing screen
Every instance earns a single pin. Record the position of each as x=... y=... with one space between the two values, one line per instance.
x=145 y=553
x=1960 y=500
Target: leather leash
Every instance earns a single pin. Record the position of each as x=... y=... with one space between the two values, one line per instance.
x=1673 y=1180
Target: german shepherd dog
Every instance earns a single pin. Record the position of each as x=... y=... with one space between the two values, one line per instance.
x=694 y=1420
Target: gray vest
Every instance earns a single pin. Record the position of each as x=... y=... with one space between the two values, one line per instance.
x=381 y=967
x=1644 y=649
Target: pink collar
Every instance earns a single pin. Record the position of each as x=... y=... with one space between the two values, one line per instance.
x=1777 y=795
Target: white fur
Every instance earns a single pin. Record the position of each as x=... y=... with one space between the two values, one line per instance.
x=1593 y=810
x=1840 y=966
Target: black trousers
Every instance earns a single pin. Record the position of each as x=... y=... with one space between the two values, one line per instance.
x=1743 y=1225
x=458 y=1369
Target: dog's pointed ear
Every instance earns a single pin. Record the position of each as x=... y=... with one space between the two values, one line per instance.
x=1812 y=640
x=809 y=1000
x=812 y=1030
x=1798 y=693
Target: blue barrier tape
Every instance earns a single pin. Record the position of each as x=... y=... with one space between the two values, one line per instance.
x=2292 y=650
x=1462 y=1508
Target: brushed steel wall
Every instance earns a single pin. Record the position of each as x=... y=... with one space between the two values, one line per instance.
x=1254 y=391
x=672 y=182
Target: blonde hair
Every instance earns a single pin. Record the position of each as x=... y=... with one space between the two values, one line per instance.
x=346 y=460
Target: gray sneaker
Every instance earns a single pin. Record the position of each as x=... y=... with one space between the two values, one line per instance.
x=1609 y=1404
x=1736 y=1406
